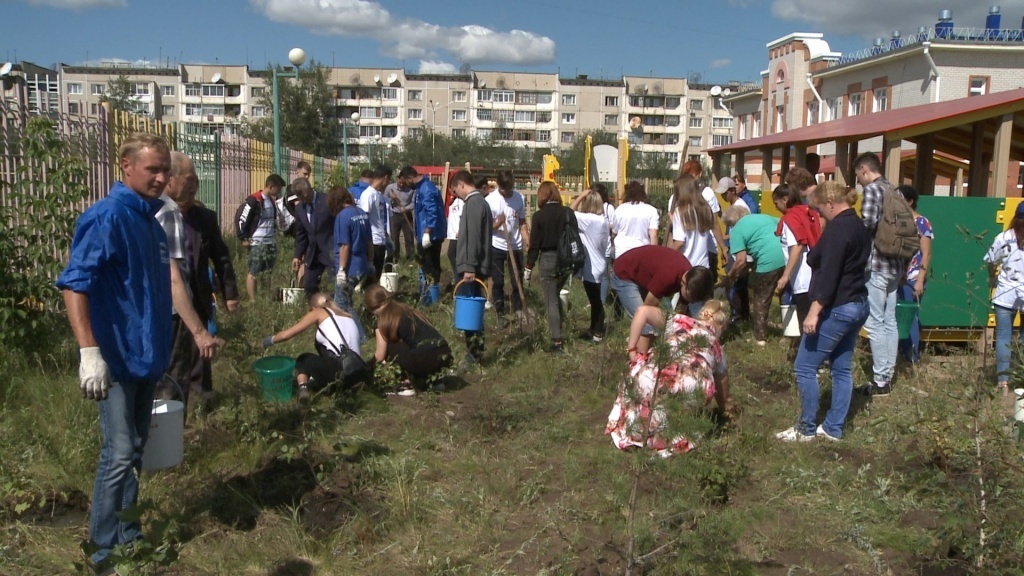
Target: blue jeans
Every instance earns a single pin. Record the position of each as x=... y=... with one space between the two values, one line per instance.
x=629 y=297
x=124 y=424
x=835 y=340
x=881 y=324
x=343 y=298
x=1004 y=334
x=910 y=348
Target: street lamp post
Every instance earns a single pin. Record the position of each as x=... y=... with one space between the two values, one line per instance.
x=344 y=142
x=296 y=56
x=433 y=122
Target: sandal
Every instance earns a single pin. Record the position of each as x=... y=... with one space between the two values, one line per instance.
x=1003 y=388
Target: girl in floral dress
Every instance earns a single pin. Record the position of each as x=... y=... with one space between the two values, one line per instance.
x=695 y=365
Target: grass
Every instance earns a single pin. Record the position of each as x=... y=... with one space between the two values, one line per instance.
x=508 y=471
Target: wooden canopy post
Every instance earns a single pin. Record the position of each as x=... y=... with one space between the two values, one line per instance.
x=924 y=172
x=741 y=160
x=977 y=179
x=766 y=168
x=801 y=156
x=842 y=170
x=1001 y=155
x=784 y=168
x=891 y=151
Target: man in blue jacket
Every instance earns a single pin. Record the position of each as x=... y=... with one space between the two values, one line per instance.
x=431 y=227
x=362 y=184
x=117 y=289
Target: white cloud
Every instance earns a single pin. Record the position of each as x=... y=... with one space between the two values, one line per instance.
x=80 y=4
x=720 y=63
x=409 y=38
x=436 y=67
x=878 y=18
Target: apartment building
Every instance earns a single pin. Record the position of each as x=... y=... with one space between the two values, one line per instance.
x=806 y=83
x=380 y=107
x=34 y=87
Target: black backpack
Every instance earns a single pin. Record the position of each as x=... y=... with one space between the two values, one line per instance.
x=572 y=254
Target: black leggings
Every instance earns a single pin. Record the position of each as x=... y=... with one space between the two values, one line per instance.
x=420 y=363
x=451 y=259
x=322 y=370
x=593 y=290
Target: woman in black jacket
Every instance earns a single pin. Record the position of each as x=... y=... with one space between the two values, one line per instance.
x=545 y=232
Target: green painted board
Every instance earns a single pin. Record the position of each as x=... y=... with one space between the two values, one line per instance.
x=957 y=295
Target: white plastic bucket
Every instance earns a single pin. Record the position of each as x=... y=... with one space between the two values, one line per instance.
x=389 y=280
x=790 y=321
x=563 y=295
x=1018 y=405
x=165 y=447
x=292 y=295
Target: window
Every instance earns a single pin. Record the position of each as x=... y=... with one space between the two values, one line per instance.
x=484 y=115
x=483 y=95
x=978 y=86
x=389 y=93
x=881 y=100
x=696 y=105
x=459 y=96
x=213 y=90
x=74 y=87
x=369 y=131
x=167 y=110
x=389 y=131
x=695 y=141
x=568 y=118
x=389 y=112
x=568 y=99
x=854 y=106
x=369 y=112
x=415 y=114
x=611 y=101
x=192 y=90
x=526 y=97
x=259 y=111
x=544 y=98
x=780 y=118
x=415 y=132
x=636 y=101
x=525 y=116
x=611 y=119
x=721 y=122
x=755 y=130
x=459 y=132
x=211 y=110
x=193 y=109
x=743 y=127
x=415 y=95
x=696 y=122
x=94 y=108
x=257 y=91
x=168 y=90
x=812 y=113
x=459 y=115
x=74 y=108
x=721 y=139
x=502 y=133
x=505 y=115
x=672 y=120
x=672 y=139
x=504 y=96
x=483 y=133
x=140 y=89
x=654 y=120
x=543 y=117
x=834 y=107
x=98 y=89
x=654 y=102
x=524 y=135
x=672 y=102
x=568 y=137
x=545 y=136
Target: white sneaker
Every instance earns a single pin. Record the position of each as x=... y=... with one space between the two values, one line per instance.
x=407 y=391
x=488 y=305
x=820 y=433
x=792 y=435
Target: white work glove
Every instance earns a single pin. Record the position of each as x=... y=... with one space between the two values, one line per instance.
x=426 y=240
x=93 y=374
x=526 y=275
x=341 y=279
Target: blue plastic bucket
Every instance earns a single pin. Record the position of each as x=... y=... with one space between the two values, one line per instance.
x=431 y=295
x=469 y=310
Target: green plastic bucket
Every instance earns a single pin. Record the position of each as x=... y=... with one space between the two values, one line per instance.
x=905 y=313
x=274 y=373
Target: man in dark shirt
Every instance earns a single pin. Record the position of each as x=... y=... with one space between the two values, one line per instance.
x=473 y=251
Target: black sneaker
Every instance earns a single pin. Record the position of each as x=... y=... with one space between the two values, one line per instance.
x=303 y=393
x=873 y=389
x=556 y=348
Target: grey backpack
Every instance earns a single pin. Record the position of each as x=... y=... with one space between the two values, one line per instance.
x=896 y=235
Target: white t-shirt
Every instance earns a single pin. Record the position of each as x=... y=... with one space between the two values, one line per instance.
x=741 y=202
x=801 y=283
x=594 y=233
x=609 y=216
x=633 y=224
x=1009 y=291
x=695 y=242
x=333 y=340
x=370 y=202
x=514 y=209
x=712 y=199
x=454 y=214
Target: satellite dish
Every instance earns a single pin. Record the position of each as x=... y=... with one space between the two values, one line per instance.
x=216 y=78
x=483 y=83
x=392 y=78
x=634 y=123
x=376 y=79
x=6 y=68
x=726 y=92
x=716 y=90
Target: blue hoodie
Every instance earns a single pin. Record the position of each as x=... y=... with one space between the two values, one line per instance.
x=119 y=260
x=429 y=209
x=357 y=189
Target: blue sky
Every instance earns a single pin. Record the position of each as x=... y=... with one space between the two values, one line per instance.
x=721 y=39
